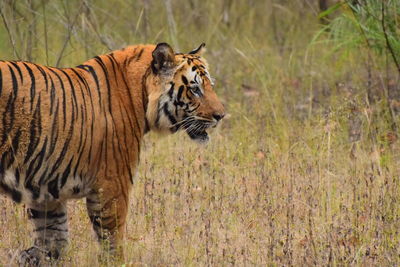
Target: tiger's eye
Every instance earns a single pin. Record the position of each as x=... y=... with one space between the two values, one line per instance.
x=196 y=90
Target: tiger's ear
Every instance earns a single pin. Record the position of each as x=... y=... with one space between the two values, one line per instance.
x=199 y=50
x=163 y=58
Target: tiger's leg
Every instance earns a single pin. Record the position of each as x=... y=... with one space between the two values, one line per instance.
x=50 y=233
x=107 y=211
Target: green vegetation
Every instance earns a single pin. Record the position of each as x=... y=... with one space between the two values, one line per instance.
x=305 y=169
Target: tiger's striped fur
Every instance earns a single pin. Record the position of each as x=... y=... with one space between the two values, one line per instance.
x=76 y=132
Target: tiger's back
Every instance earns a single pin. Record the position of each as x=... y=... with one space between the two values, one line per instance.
x=54 y=127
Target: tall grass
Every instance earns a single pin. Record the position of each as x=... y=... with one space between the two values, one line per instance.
x=303 y=171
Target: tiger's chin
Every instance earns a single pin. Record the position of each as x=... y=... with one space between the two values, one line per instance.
x=200 y=137
x=199 y=130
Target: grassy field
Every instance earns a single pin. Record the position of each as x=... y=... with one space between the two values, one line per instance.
x=305 y=169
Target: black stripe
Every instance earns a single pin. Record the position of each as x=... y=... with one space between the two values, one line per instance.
x=52 y=226
x=82 y=141
x=125 y=134
x=19 y=71
x=17 y=176
x=15 y=141
x=43 y=176
x=33 y=82
x=54 y=132
x=92 y=109
x=1 y=82
x=49 y=214
x=52 y=95
x=95 y=220
x=82 y=107
x=119 y=143
x=113 y=66
x=193 y=109
x=105 y=144
x=184 y=80
x=74 y=101
x=90 y=201
x=44 y=74
x=103 y=67
x=64 y=149
x=88 y=90
x=171 y=90
x=177 y=102
x=82 y=138
x=15 y=194
x=168 y=114
x=139 y=55
x=9 y=112
x=158 y=115
x=134 y=112
x=135 y=57
x=65 y=174
x=10 y=109
x=91 y=70
x=64 y=102
x=76 y=190
x=52 y=187
x=35 y=132
x=14 y=82
x=79 y=76
x=3 y=164
x=180 y=91
x=33 y=169
x=82 y=81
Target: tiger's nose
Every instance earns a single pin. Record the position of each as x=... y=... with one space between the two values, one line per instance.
x=218 y=116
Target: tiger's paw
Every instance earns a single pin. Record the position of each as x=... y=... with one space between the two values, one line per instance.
x=33 y=256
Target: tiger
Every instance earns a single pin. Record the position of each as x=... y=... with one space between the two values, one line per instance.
x=69 y=133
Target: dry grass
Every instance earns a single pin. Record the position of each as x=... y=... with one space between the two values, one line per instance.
x=304 y=171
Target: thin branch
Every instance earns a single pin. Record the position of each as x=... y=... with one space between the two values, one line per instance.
x=171 y=23
x=363 y=33
x=391 y=51
x=10 y=36
x=388 y=44
x=92 y=22
x=70 y=28
x=312 y=7
x=146 y=20
x=31 y=35
x=45 y=32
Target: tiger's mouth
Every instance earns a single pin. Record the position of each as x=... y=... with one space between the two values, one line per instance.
x=199 y=135
x=196 y=128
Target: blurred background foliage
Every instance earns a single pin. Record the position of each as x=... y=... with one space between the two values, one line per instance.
x=304 y=169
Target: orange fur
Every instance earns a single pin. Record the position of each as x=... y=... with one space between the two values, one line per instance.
x=76 y=132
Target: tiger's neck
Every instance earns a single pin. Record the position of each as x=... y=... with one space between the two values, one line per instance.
x=120 y=78
x=134 y=65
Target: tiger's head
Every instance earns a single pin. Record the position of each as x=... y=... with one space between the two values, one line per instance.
x=181 y=95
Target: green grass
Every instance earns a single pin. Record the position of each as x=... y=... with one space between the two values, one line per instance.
x=303 y=171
